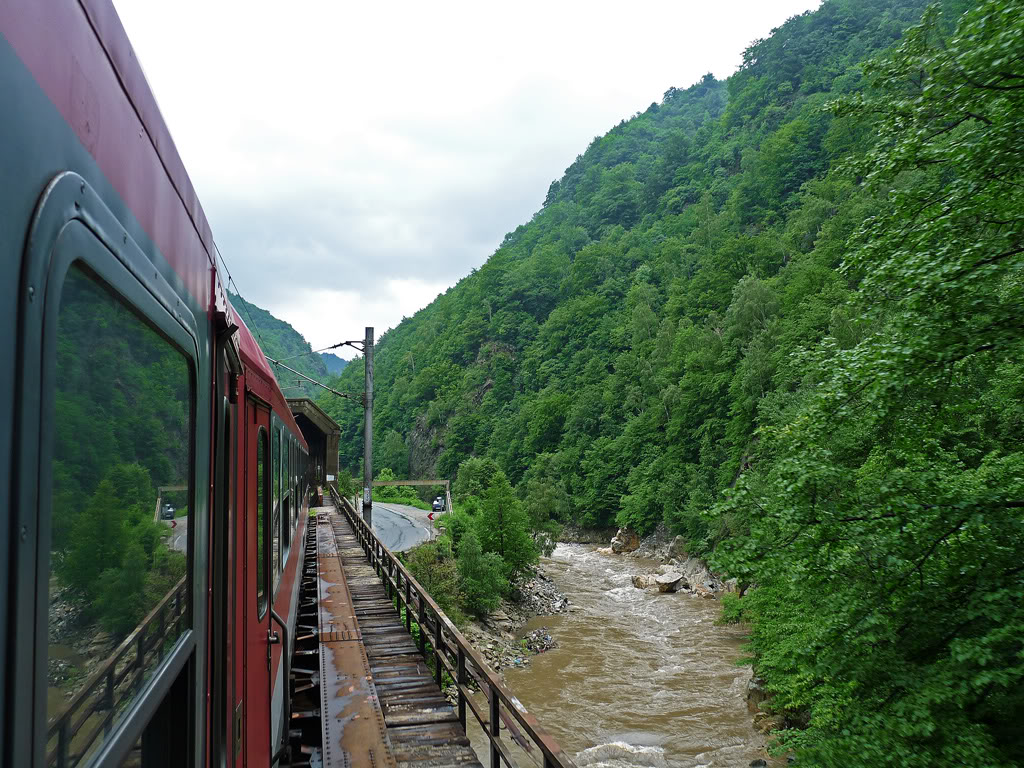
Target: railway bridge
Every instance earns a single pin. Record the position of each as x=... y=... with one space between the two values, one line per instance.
x=379 y=675
x=373 y=653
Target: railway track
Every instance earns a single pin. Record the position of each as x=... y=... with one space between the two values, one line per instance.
x=305 y=729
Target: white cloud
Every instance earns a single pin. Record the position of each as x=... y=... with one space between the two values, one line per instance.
x=335 y=142
x=335 y=315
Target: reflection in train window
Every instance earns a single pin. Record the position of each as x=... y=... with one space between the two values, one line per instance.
x=275 y=521
x=262 y=476
x=118 y=586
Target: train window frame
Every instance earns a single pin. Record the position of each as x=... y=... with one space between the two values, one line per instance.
x=286 y=509
x=262 y=571
x=275 y=520
x=72 y=228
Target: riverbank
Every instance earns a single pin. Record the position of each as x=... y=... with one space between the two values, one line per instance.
x=499 y=636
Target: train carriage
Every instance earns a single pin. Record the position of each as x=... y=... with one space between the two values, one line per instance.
x=129 y=380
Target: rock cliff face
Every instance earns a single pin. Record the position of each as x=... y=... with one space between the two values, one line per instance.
x=424 y=448
x=625 y=540
x=572 y=534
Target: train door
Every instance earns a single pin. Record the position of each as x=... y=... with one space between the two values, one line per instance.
x=257 y=596
x=224 y=730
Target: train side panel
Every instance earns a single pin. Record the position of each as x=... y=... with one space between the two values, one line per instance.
x=113 y=307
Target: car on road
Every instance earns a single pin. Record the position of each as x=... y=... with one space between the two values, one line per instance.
x=167 y=513
x=439 y=504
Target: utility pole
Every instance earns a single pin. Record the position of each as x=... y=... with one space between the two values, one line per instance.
x=368 y=429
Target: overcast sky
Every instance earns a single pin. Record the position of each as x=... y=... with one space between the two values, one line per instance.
x=357 y=159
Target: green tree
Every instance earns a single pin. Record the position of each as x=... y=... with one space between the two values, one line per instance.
x=886 y=525
x=503 y=528
x=438 y=573
x=475 y=477
x=391 y=453
x=480 y=576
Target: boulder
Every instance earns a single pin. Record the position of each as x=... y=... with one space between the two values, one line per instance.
x=645 y=580
x=766 y=723
x=499 y=619
x=700 y=590
x=100 y=644
x=625 y=540
x=756 y=694
x=669 y=582
x=677 y=549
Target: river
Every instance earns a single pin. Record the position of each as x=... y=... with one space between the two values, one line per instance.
x=638 y=678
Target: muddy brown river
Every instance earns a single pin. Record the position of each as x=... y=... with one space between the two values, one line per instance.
x=638 y=678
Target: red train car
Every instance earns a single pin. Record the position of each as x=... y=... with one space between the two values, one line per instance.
x=156 y=482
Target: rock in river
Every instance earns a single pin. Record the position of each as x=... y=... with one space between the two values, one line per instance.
x=625 y=541
x=644 y=580
x=669 y=582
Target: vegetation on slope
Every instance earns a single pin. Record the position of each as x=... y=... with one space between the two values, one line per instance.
x=333 y=363
x=281 y=341
x=781 y=314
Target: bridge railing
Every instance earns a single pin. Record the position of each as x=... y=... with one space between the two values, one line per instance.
x=116 y=682
x=454 y=655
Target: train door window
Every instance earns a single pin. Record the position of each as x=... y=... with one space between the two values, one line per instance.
x=120 y=509
x=262 y=479
x=275 y=522
x=286 y=512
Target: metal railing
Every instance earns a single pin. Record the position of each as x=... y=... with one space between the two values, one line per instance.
x=454 y=655
x=117 y=682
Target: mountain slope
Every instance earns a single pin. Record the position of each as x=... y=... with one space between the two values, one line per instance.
x=333 y=363
x=781 y=315
x=280 y=341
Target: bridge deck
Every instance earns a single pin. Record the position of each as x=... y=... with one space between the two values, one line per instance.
x=381 y=706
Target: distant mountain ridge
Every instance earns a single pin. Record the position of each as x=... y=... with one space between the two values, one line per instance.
x=335 y=364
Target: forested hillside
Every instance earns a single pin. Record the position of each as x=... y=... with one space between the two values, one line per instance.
x=282 y=342
x=782 y=315
x=333 y=363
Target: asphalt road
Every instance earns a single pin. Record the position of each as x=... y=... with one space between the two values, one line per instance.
x=179 y=534
x=400 y=527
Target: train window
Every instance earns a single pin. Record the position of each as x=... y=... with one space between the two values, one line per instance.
x=275 y=521
x=287 y=505
x=120 y=510
x=262 y=476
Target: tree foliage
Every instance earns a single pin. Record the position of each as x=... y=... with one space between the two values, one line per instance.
x=782 y=315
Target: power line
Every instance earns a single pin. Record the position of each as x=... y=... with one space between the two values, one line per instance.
x=357 y=398
x=316 y=351
x=238 y=293
x=252 y=325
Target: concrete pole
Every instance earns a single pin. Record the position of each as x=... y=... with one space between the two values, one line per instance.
x=368 y=429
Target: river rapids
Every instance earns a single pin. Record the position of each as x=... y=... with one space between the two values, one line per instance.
x=638 y=678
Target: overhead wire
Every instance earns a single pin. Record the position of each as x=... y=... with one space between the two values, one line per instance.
x=238 y=293
x=317 y=351
x=245 y=304
x=252 y=324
